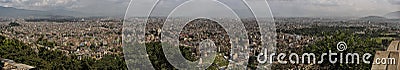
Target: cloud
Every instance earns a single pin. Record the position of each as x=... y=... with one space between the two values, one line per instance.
x=5 y=1
x=102 y=7
x=94 y=7
x=395 y=2
x=338 y=8
x=279 y=7
x=38 y=4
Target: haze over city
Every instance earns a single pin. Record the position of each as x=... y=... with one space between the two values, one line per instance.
x=280 y=8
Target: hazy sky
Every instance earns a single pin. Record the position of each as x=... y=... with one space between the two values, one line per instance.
x=100 y=7
x=279 y=7
x=356 y=8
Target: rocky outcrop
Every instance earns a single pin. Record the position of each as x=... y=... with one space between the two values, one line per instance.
x=7 y=64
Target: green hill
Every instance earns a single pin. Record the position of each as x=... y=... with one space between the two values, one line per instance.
x=50 y=60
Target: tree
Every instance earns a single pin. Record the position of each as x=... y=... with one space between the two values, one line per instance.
x=54 y=60
x=14 y=24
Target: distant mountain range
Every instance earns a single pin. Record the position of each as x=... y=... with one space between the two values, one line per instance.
x=377 y=18
x=393 y=15
x=373 y=18
x=388 y=17
x=13 y=12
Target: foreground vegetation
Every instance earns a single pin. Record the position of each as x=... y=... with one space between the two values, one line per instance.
x=355 y=44
x=55 y=60
x=160 y=62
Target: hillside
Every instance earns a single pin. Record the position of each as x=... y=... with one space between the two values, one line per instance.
x=393 y=15
x=49 y=60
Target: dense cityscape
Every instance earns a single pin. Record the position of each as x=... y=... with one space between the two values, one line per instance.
x=199 y=34
x=98 y=37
